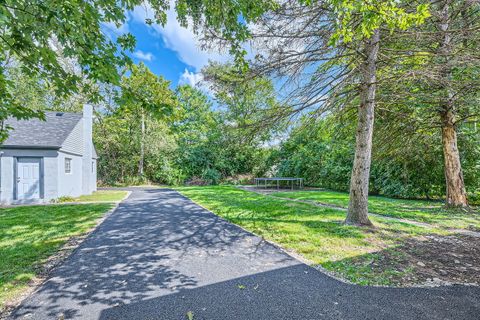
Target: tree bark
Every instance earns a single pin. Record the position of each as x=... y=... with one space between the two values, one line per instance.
x=358 y=205
x=456 y=195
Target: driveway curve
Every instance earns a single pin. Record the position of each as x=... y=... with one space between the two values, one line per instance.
x=161 y=256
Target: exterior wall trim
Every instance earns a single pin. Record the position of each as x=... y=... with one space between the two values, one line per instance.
x=6 y=146
x=15 y=173
x=70 y=153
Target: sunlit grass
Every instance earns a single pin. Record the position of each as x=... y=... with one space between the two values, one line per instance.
x=31 y=234
x=99 y=196
x=418 y=210
x=314 y=232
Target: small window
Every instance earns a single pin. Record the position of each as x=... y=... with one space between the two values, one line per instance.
x=68 y=165
x=93 y=166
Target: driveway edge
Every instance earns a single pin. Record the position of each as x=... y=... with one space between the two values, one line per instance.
x=289 y=253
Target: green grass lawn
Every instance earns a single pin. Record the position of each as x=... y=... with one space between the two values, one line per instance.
x=317 y=233
x=31 y=234
x=418 y=210
x=99 y=196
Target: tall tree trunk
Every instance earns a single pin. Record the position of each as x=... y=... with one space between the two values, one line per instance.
x=142 y=146
x=456 y=195
x=358 y=205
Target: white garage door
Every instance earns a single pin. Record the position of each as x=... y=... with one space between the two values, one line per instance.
x=28 y=178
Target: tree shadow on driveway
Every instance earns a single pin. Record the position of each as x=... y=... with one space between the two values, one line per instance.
x=156 y=243
x=301 y=292
x=159 y=255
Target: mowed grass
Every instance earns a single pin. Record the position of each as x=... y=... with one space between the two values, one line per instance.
x=99 y=196
x=29 y=235
x=432 y=212
x=316 y=233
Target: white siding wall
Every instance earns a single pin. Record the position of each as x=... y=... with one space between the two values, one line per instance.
x=78 y=146
x=69 y=184
x=74 y=142
x=88 y=178
x=50 y=177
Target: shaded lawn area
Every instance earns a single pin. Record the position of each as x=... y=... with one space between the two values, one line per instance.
x=29 y=235
x=99 y=196
x=417 y=210
x=316 y=233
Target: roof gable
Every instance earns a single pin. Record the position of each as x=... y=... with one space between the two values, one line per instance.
x=42 y=134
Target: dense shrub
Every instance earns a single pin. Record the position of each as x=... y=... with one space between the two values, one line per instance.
x=322 y=153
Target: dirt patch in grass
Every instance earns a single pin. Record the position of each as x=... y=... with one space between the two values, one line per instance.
x=429 y=260
x=450 y=259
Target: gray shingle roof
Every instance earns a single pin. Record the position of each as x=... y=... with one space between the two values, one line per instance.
x=42 y=134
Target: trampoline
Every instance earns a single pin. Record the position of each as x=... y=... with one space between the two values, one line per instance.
x=276 y=182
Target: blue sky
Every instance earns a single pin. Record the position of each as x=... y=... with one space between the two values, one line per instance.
x=171 y=51
x=152 y=51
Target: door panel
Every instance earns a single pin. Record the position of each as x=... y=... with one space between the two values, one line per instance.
x=28 y=178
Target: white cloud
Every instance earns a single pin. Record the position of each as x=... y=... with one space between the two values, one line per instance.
x=146 y=56
x=179 y=39
x=190 y=78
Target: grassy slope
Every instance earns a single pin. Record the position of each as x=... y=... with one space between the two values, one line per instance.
x=418 y=210
x=30 y=234
x=316 y=233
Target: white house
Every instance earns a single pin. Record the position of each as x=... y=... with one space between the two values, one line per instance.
x=44 y=160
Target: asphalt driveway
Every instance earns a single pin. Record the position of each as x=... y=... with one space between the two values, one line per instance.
x=160 y=256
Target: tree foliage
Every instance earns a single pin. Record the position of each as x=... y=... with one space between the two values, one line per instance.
x=134 y=132
x=185 y=137
x=436 y=84
x=321 y=152
x=413 y=66
x=38 y=34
